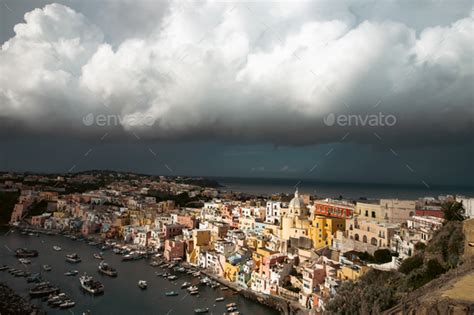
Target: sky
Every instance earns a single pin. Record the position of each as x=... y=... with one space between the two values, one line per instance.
x=350 y=91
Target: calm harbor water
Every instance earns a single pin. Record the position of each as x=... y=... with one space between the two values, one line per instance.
x=122 y=295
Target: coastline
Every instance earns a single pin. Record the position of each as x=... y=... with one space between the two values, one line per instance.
x=284 y=306
x=280 y=304
x=12 y=303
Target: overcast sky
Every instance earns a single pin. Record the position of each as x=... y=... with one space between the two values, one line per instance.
x=359 y=91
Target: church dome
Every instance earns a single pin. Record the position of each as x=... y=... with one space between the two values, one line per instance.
x=297 y=202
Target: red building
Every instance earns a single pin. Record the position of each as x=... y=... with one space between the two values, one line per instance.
x=432 y=213
x=172 y=230
x=332 y=209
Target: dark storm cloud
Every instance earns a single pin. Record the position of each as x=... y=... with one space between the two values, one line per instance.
x=287 y=74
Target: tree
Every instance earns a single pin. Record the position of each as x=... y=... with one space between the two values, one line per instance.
x=453 y=211
x=420 y=247
x=382 y=256
x=411 y=263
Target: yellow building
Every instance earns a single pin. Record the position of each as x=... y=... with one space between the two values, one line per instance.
x=201 y=242
x=230 y=271
x=351 y=272
x=323 y=230
x=58 y=214
x=370 y=211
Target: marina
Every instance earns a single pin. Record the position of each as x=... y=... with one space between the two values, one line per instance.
x=118 y=298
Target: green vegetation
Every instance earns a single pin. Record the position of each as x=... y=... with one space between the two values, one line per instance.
x=381 y=256
x=453 y=211
x=373 y=293
x=83 y=187
x=38 y=208
x=181 y=200
x=7 y=203
x=410 y=264
x=377 y=291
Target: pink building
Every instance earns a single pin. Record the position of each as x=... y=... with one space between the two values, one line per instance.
x=38 y=220
x=173 y=249
x=187 y=221
x=18 y=211
x=268 y=262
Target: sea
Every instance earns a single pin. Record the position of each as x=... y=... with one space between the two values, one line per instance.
x=122 y=294
x=269 y=186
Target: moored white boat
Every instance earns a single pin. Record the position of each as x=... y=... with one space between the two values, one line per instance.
x=90 y=285
x=73 y=258
x=142 y=284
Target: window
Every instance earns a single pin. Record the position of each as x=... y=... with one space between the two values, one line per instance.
x=366 y=213
x=373 y=214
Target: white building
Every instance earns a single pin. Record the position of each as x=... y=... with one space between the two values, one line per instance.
x=273 y=212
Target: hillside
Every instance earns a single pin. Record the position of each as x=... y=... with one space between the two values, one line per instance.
x=438 y=279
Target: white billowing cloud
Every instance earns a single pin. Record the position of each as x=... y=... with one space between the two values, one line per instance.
x=266 y=73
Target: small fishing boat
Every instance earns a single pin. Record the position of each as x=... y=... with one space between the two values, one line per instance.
x=172 y=277
x=20 y=274
x=201 y=310
x=107 y=270
x=185 y=285
x=231 y=305
x=47 y=268
x=220 y=299
x=224 y=288
x=90 y=285
x=171 y=293
x=142 y=284
x=23 y=252
x=36 y=277
x=231 y=309
x=24 y=261
x=71 y=273
x=73 y=258
x=205 y=280
x=194 y=292
x=53 y=299
x=193 y=288
x=98 y=256
x=4 y=267
x=57 y=248
x=43 y=289
x=67 y=304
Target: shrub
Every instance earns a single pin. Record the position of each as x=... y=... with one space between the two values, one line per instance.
x=419 y=247
x=411 y=263
x=382 y=256
x=433 y=269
